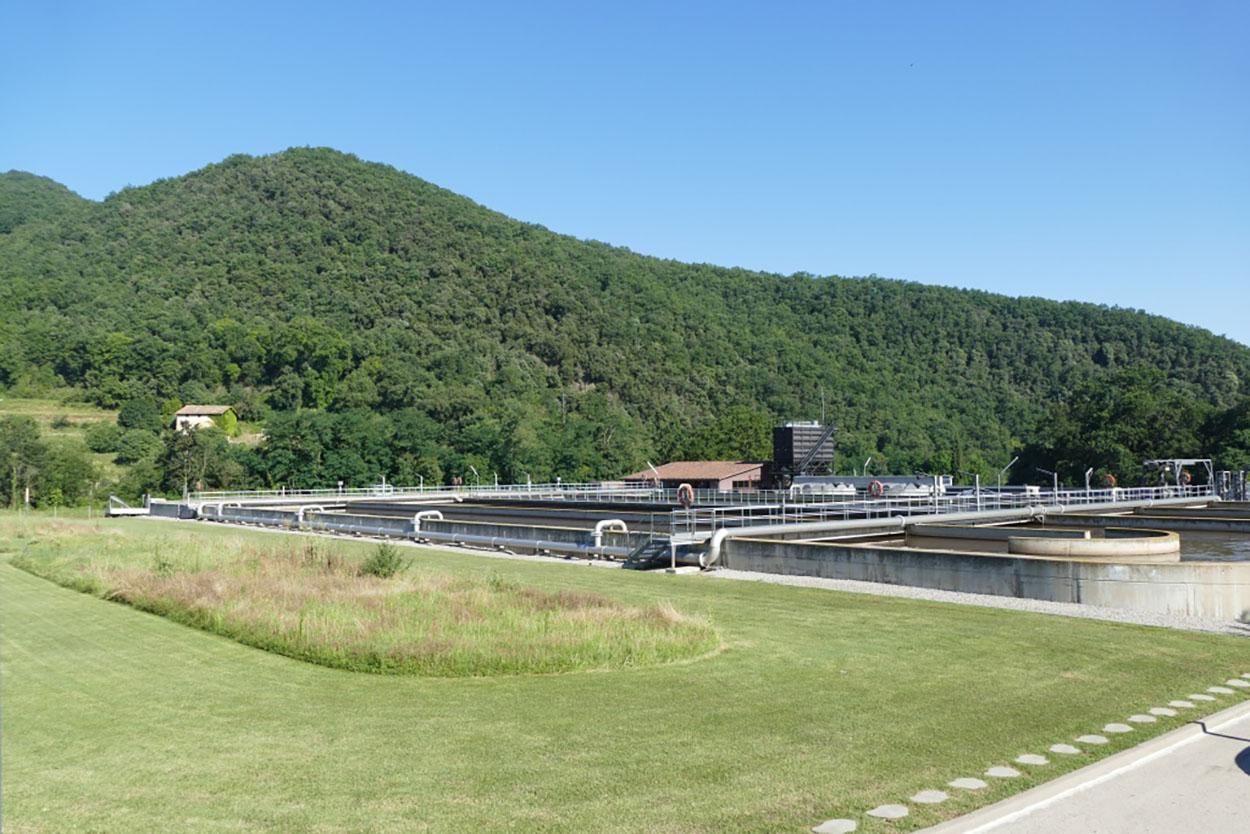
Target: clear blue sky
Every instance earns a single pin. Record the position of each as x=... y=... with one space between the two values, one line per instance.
x=1088 y=150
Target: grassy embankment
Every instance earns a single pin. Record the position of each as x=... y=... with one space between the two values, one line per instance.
x=820 y=704
x=63 y=419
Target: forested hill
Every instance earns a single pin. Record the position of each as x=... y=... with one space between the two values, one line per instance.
x=25 y=197
x=310 y=280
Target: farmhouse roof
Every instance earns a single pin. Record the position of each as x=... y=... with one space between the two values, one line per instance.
x=202 y=410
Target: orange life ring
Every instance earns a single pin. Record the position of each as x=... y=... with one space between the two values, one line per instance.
x=1109 y=480
x=685 y=495
x=876 y=489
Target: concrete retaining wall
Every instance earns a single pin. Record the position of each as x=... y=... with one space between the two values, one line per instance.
x=1153 y=522
x=403 y=527
x=1213 y=590
x=1213 y=511
x=988 y=533
x=572 y=535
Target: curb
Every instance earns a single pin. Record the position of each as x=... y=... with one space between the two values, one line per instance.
x=1007 y=811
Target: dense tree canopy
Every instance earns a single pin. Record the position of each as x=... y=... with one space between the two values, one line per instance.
x=379 y=325
x=25 y=197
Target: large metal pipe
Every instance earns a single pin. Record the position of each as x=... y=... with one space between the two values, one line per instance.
x=710 y=557
x=498 y=542
x=607 y=524
x=299 y=513
x=416 y=519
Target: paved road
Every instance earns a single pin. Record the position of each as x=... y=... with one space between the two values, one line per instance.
x=1190 y=781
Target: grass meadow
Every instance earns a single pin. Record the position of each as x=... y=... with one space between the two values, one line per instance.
x=816 y=704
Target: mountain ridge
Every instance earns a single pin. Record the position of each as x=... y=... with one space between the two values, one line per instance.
x=312 y=279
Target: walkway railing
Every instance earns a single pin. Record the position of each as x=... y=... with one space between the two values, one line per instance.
x=700 y=521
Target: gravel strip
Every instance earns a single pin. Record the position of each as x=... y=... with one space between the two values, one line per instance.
x=1036 y=606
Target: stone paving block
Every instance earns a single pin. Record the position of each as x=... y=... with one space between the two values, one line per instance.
x=967 y=783
x=1000 y=772
x=889 y=812
x=838 y=826
x=930 y=797
x=1092 y=739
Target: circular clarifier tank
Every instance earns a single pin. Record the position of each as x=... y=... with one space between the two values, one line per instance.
x=1118 y=544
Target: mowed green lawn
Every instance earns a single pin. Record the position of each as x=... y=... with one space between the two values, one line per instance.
x=820 y=704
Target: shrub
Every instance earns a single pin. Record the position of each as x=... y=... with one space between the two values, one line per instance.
x=140 y=413
x=61 y=421
x=136 y=445
x=102 y=437
x=384 y=562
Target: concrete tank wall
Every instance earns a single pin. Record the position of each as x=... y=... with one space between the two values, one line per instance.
x=1212 y=590
x=1120 y=545
x=1153 y=522
x=403 y=527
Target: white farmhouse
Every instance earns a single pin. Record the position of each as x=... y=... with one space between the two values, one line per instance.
x=199 y=416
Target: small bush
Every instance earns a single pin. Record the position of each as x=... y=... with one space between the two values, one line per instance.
x=384 y=562
x=102 y=437
x=61 y=421
x=135 y=445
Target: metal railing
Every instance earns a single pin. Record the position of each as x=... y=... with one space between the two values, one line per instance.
x=602 y=492
x=520 y=491
x=698 y=522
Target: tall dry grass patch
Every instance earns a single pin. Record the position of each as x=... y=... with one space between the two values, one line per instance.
x=310 y=599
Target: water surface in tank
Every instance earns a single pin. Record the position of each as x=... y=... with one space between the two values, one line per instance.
x=1214 y=547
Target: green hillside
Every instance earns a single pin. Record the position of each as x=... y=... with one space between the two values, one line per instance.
x=25 y=198
x=377 y=323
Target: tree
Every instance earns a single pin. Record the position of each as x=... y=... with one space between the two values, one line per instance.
x=67 y=475
x=740 y=433
x=23 y=455
x=1227 y=435
x=1113 y=426
x=198 y=460
x=140 y=413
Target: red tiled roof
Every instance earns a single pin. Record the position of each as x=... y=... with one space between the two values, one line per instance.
x=698 y=470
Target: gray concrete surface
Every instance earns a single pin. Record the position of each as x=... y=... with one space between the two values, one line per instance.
x=1064 y=609
x=1194 y=590
x=1193 y=779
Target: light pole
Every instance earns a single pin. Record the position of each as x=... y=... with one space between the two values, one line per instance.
x=477 y=479
x=1001 y=474
x=976 y=480
x=1088 y=474
x=866 y=465
x=1055 y=476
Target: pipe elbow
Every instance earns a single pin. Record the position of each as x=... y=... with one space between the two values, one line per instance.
x=712 y=554
x=606 y=524
x=434 y=515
